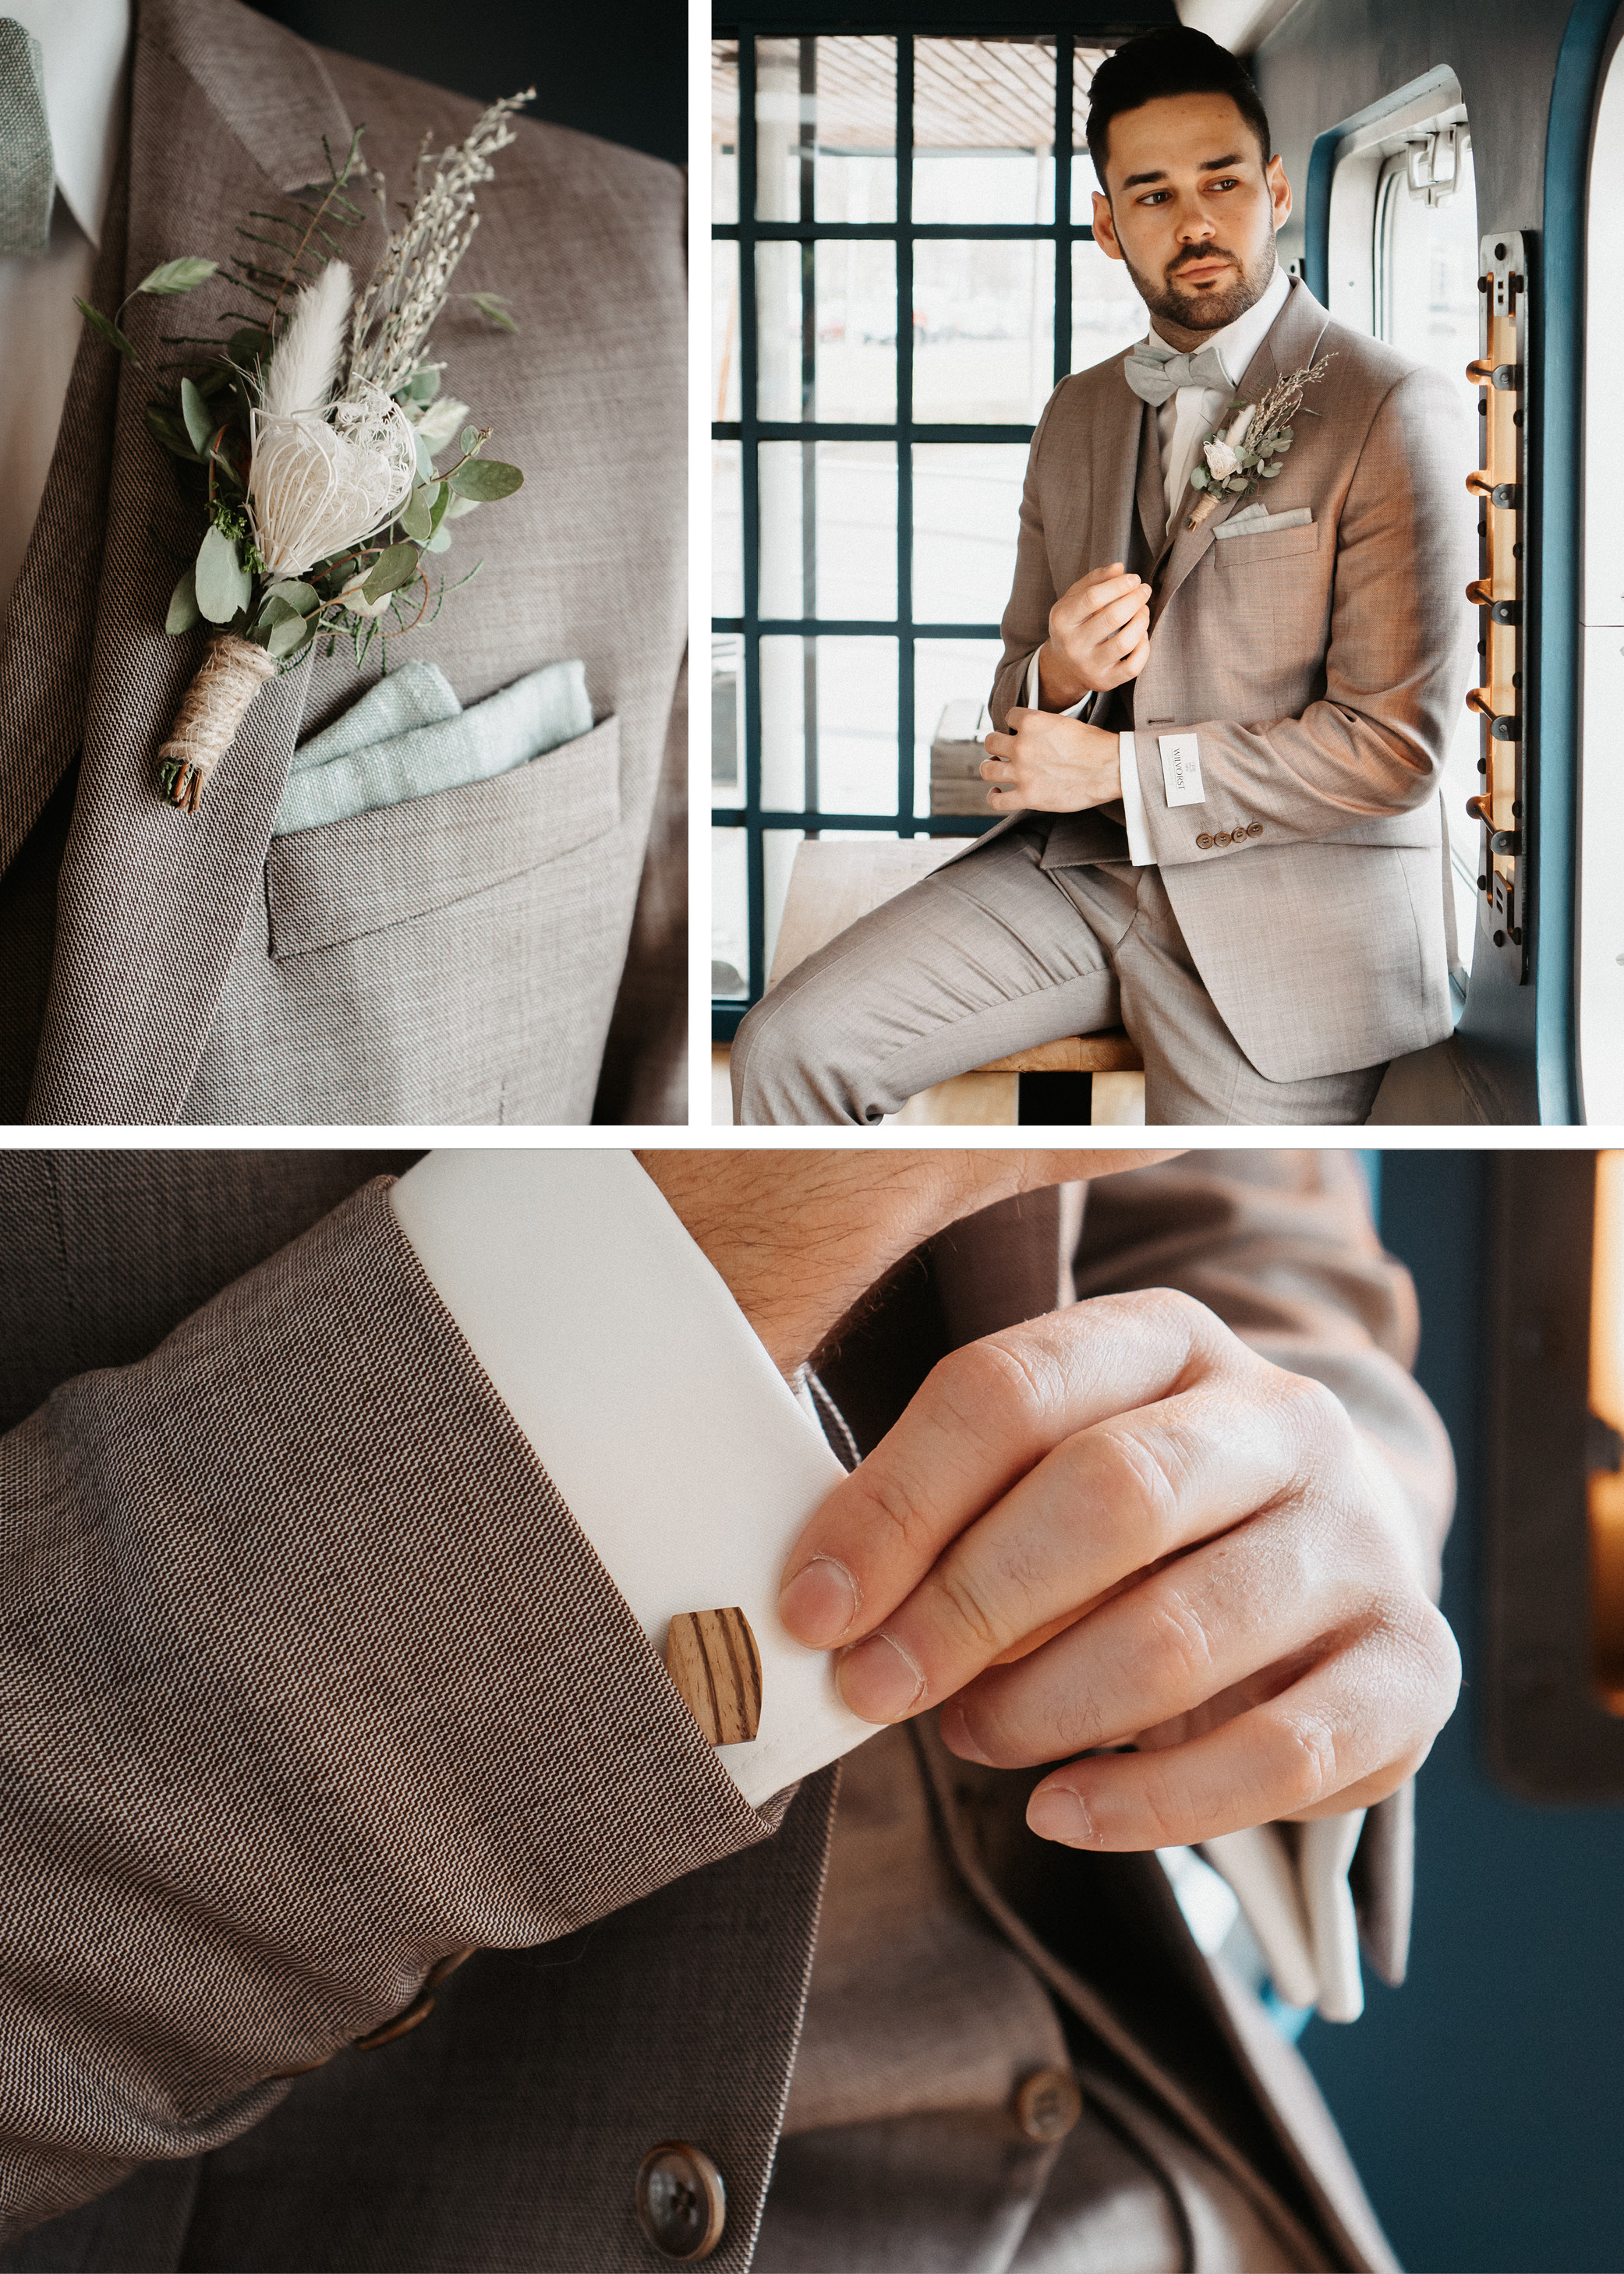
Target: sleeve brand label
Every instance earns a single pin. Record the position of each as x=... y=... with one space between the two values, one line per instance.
x=1181 y=769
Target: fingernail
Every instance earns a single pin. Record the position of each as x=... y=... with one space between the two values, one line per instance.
x=1056 y=1812
x=821 y=1602
x=954 y=1726
x=878 y=1679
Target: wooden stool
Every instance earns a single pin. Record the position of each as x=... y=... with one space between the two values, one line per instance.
x=835 y=882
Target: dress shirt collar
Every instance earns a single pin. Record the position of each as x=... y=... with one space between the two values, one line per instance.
x=86 y=45
x=1238 y=342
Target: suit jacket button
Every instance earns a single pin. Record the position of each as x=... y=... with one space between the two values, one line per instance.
x=1255 y=829
x=1047 y=2104
x=682 y=2203
x=1222 y=838
x=1205 y=843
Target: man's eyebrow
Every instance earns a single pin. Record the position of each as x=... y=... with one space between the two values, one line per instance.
x=1207 y=165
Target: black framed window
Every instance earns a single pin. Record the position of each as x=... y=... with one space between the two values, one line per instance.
x=903 y=268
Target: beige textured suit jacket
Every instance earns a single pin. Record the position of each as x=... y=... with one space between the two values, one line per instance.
x=455 y=959
x=1322 y=668
x=316 y=1681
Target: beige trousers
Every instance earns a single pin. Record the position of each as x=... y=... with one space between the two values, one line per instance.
x=995 y=954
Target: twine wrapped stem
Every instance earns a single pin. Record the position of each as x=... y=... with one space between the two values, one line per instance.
x=228 y=679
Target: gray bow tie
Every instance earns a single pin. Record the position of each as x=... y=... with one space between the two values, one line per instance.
x=27 y=171
x=1154 y=372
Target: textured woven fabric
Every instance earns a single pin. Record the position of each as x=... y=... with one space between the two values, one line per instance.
x=1322 y=669
x=523 y=722
x=27 y=173
x=321 y=1680
x=587 y=561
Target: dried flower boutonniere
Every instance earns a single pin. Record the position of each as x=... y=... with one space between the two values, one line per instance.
x=1257 y=436
x=310 y=437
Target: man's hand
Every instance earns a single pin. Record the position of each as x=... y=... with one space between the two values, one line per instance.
x=800 y=1236
x=1099 y=637
x=1118 y=1524
x=1051 y=765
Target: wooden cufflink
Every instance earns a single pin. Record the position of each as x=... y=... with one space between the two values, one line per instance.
x=712 y=1659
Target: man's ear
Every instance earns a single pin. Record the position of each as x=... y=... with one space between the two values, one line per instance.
x=1104 y=225
x=1280 y=192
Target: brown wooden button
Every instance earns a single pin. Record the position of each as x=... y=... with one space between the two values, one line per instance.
x=1047 y=2104
x=682 y=2203
x=1222 y=838
x=1205 y=843
x=712 y=1659
x=1254 y=829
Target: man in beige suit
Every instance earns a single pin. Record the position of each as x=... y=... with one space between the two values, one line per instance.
x=1224 y=737
x=331 y=1663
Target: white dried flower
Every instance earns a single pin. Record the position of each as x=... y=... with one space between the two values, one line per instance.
x=320 y=482
x=441 y=422
x=1220 y=460
x=307 y=356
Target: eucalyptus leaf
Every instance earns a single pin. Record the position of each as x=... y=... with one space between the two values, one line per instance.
x=458 y=505
x=168 y=429
x=182 y=275
x=274 y=610
x=300 y=596
x=415 y=518
x=248 y=346
x=426 y=462
x=471 y=440
x=1198 y=477
x=439 y=542
x=200 y=424
x=222 y=580
x=290 y=633
x=422 y=387
x=1270 y=472
x=439 y=499
x=108 y=330
x=184 y=610
x=492 y=306
x=486 y=478
x=393 y=569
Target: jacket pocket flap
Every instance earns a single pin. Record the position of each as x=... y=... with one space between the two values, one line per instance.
x=357 y=876
x=1246 y=545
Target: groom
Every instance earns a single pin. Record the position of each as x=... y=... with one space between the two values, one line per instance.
x=1223 y=741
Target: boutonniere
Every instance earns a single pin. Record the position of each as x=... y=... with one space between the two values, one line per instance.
x=308 y=439
x=1256 y=438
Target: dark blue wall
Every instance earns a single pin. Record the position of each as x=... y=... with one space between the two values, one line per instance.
x=1483 y=2101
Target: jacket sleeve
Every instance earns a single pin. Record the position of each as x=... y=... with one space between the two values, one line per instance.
x=1281 y=1246
x=314 y=1684
x=1026 y=618
x=1372 y=746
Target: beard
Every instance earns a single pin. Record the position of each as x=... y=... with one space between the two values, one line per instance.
x=1213 y=305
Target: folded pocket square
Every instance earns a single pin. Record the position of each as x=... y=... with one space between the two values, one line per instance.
x=1255 y=519
x=409 y=736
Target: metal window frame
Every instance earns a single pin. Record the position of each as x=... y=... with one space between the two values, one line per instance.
x=750 y=432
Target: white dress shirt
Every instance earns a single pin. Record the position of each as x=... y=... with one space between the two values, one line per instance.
x=692 y=1469
x=1182 y=424
x=85 y=46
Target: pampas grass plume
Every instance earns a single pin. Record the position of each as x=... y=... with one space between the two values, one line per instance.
x=307 y=356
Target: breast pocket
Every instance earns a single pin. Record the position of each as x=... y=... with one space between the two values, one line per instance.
x=1268 y=545
x=348 y=878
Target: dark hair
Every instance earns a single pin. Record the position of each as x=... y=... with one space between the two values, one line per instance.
x=1176 y=60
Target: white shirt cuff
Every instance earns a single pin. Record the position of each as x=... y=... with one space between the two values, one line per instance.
x=680 y=1450
x=1133 y=806
x=1034 y=694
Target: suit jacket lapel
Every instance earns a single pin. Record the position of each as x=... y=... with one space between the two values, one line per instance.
x=1288 y=346
x=226 y=109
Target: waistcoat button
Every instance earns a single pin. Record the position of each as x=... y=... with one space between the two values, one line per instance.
x=1254 y=829
x=682 y=2203
x=1047 y=2104
x=1205 y=843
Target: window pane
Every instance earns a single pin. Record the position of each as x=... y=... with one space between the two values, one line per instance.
x=983 y=131
x=1085 y=63
x=952 y=680
x=729 y=915
x=727 y=532
x=727 y=719
x=984 y=330
x=826 y=129
x=724 y=332
x=779 y=847
x=845 y=369
x=846 y=493
x=1107 y=315
x=966 y=503
x=724 y=130
x=828 y=725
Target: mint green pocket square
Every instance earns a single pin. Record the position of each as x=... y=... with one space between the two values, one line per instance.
x=409 y=736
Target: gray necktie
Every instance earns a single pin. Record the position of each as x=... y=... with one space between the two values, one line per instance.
x=27 y=172
x=1154 y=372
